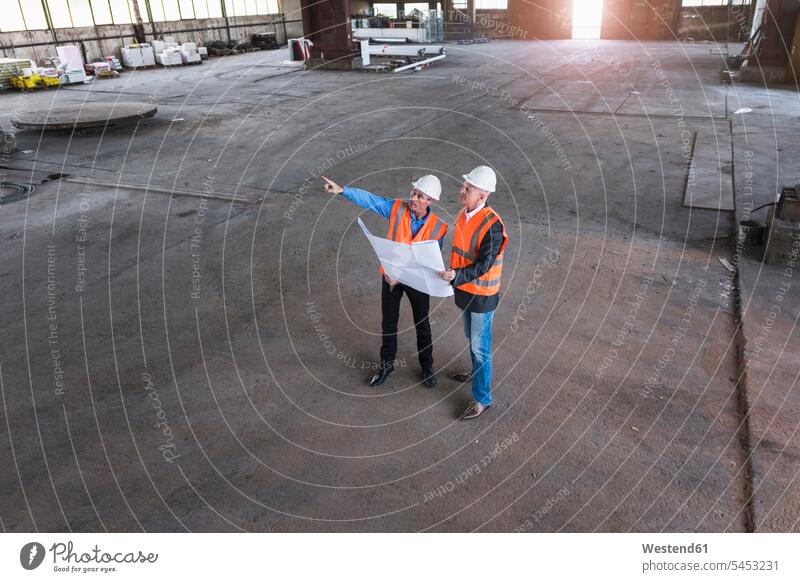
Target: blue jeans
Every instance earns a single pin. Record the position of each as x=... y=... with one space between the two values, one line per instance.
x=478 y=329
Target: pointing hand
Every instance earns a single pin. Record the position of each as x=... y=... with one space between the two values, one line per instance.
x=332 y=187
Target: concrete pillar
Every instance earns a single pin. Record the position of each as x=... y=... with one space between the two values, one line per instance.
x=327 y=25
x=291 y=9
x=138 y=26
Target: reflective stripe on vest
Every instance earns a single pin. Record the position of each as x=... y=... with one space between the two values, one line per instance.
x=466 y=244
x=400 y=226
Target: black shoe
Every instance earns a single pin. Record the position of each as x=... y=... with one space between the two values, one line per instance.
x=429 y=378
x=381 y=376
x=462 y=376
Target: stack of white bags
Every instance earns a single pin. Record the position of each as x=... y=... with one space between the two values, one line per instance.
x=189 y=53
x=170 y=54
x=169 y=57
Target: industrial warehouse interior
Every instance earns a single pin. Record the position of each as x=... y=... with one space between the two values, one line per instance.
x=198 y=279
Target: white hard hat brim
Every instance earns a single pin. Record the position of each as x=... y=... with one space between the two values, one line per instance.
x=478 y=186
x=414 y=185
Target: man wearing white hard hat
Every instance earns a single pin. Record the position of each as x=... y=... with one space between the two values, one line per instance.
x=476 y=266
x=410 y=221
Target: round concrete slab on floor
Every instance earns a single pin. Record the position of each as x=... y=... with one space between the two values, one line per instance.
x=84 y=115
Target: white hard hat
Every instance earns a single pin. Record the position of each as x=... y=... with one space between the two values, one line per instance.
x=429 y=185
x=482 y=177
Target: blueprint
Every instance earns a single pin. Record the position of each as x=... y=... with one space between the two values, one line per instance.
x=417 y=264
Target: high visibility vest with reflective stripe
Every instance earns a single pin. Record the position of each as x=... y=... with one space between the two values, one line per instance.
x=466 y=244
x=400 y=226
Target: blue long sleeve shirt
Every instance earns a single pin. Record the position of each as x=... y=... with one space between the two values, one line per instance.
x=382 y=207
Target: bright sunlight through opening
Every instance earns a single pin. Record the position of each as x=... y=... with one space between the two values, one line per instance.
x=586 y=18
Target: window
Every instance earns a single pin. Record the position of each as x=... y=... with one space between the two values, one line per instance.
x=12 y=18
x=389 y=10
x=34 y=14
x=409 y=7
x=587 y=18
x=171 y=11
x=30 y=15
x=81 y=12
x=101 y=11
x=59 y=12
x=200 y=9
x=121 y=11
x=491 y=4
x=214 y=9
x=156 y=9
x=234 y=7
x=187 y=10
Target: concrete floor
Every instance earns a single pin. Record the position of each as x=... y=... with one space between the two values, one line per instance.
x=241 y=404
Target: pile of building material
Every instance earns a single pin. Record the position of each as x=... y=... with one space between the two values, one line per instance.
x=114 y=62
x=220 y=48
x=73 y=75
x=167 y=53
x=169 y=57
x=10 y=68
x=160 y=45
x=138 y=56
x=170 y=54
x=35 y=80
x=102 y=69
x=70 y=62
x=189 y=53
x=264 y=41
x=65 y=69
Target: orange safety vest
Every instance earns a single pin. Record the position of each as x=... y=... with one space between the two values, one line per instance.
x=466 y=244
x=400 y=226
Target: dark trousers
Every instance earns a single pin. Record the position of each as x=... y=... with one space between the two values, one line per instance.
x=390 y=309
